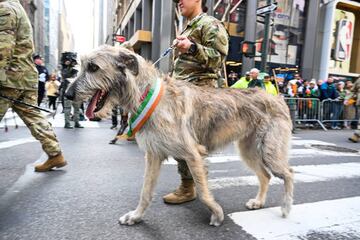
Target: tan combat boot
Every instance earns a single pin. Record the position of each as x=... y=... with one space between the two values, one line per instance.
x=354 y=138
x=184 y=193
x=57 y=161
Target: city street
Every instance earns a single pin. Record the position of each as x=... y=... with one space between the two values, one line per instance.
x=102 y=182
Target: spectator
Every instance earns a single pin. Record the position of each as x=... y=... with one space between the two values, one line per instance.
x=338 y=106
x=356 y=95
x=269 y=87
x=255 y=82
x=349 y=105
x=328 y=92
x=312 y=92
x=291 y=102
x=52 y=90
x=319 y=83
x=43 y=77
x=304 y=88
x=243 y=82
x=232 y=78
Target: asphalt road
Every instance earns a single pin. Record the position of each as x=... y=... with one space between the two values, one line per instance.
x=102 y=182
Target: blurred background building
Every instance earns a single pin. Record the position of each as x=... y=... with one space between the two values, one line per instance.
x=317 y=37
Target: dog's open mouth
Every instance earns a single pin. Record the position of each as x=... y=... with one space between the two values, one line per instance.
x=97 y=102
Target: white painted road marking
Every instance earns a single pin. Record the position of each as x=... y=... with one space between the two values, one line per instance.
x=13 y=143
x=304 y=173
x=294 y=153
x=298 y=142
x=340 y=216
x=57 y=122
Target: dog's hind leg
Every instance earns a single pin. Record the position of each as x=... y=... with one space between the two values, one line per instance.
x=252 y=159
x=196 y=165
x=152 y=171
x=273 y=148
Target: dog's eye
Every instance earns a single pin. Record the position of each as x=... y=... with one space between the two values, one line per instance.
x=93 y=67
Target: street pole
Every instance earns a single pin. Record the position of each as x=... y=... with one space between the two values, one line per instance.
x=265 y=42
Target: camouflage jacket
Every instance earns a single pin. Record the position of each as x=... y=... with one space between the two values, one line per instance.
x=16 y=48
x=356 y=91
x=212 y=41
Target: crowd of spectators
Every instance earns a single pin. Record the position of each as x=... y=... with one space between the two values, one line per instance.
x=336 y=98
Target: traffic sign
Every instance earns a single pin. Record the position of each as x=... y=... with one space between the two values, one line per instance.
x=267 y=9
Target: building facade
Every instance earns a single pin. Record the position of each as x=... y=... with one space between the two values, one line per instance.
x=316 y=37
x=52 y=33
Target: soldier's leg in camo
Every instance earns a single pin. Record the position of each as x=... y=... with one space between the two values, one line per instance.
x=356 y=136
x=76 y=107
x=5 y=104
x=41 y=129
x=186 y=191
x=67 y=112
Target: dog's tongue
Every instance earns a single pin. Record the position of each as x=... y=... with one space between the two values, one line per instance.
x=92 y=105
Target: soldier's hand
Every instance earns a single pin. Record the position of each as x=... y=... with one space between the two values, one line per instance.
x=183 y=44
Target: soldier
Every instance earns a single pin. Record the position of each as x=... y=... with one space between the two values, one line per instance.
x=356 y=91
x=202 y=48
x=68 y=73
x=19 y=79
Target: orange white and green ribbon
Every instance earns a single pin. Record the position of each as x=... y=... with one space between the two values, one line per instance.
x=146 y=108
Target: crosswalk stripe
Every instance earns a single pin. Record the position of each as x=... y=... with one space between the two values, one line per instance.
x=299 y=142
x=57 y=122
x=13 y=143
x=294 y=153
x=304 y=174
x=335 y=216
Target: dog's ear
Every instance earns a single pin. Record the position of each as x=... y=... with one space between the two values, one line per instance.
x=128 y=61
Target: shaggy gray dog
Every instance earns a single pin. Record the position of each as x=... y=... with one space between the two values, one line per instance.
x=189 y=122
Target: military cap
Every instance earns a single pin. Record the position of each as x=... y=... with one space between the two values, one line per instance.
x=37 y=56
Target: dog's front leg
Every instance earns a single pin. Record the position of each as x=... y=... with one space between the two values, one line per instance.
x=152 y=171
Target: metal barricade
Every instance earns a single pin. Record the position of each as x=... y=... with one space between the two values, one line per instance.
x=305 y=110
x=332 y=111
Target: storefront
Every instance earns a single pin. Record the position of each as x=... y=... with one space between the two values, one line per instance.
x=344 y=62
x=286 y=32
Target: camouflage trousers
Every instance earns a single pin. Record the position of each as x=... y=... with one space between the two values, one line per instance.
x=184 y=170
x=39 y=126
x=67 y=111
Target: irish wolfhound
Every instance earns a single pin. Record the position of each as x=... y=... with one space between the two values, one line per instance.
x=188 y=122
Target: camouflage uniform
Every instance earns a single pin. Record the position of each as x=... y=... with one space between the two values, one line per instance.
x=203 y=67
x=18 y=75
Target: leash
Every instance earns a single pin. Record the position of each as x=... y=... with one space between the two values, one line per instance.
x=167 y=51
x=25 y=104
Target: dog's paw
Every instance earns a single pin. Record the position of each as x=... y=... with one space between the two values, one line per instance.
x=216 y=220
x=253 y=204
x=130 y=218
x=286 y=207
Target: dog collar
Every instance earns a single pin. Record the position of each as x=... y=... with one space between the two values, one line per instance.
x=151 y=99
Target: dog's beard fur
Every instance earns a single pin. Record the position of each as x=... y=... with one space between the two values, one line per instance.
x=189 y=121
